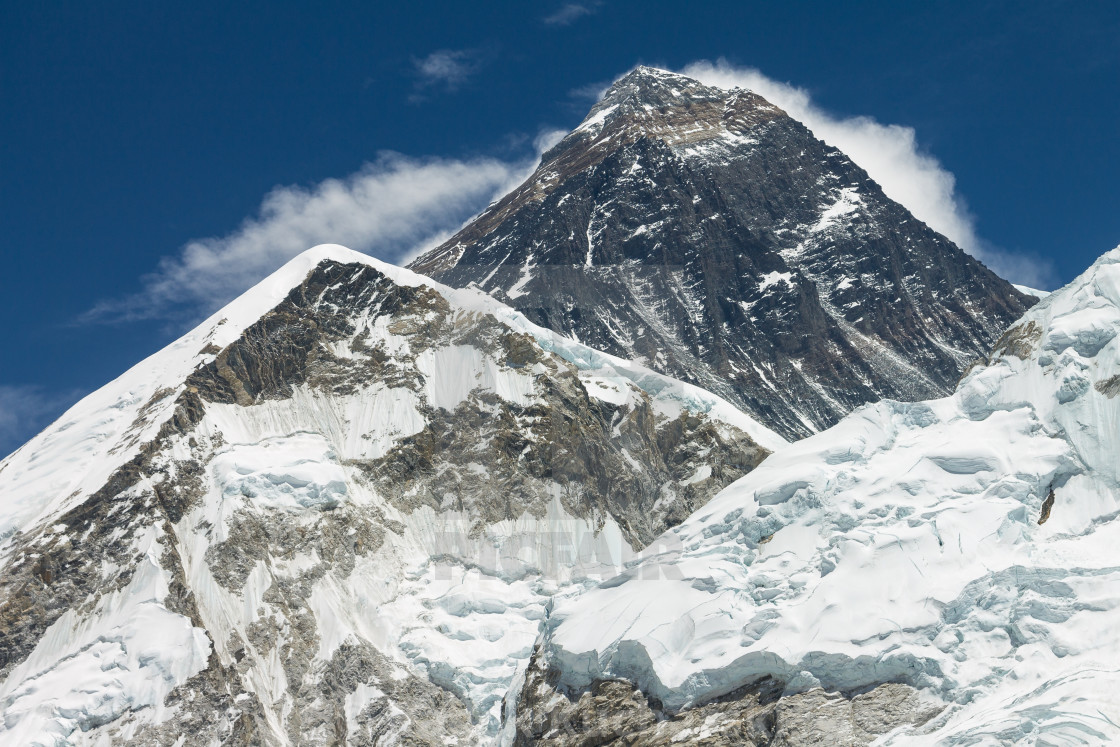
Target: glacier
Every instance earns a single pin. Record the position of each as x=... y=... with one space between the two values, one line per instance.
x=962 y=546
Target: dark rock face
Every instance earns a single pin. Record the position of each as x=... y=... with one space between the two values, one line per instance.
x=714 y=238
x=289 y=345
x=577 y=443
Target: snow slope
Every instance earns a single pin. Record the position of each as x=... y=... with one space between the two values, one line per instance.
x=259 y=556
x=965 y=546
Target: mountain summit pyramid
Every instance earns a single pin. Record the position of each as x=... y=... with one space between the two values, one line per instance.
x=711 y=236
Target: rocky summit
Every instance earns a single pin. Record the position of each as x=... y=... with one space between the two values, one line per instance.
x=712 y=237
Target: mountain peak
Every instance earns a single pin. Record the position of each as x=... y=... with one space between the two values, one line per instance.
x=646 y=95
x=653 y=72
x=651 y=78
x=705 y=231
x=307 y=438
x=647 y=105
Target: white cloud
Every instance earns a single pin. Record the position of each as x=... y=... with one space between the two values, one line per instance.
x=547 y=138
x=570 y=13
x=393 y=208
x=591 y=91
x=891 y=155
x=445 y=68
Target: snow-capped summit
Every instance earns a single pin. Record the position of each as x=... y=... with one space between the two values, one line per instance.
x=650 y=102
x=654 y=88
x=938 y=572
x=711 y=236
x=336 y=511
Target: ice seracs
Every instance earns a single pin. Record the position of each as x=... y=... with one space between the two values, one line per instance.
x=961 y=546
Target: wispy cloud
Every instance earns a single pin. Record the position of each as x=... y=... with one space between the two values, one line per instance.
x=892 y=156
x=569 y=13
x=590 y=92
x=393 y=208
x=445 y=69
x=547 y=138
x=25 y=410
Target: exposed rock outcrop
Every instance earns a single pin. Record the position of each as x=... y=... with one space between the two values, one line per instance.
x=614 y=712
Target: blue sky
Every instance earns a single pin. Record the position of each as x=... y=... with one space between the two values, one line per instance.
x=157 y=158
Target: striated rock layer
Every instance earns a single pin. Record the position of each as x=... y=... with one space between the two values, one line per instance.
x=709 y=235
x=335 y=512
